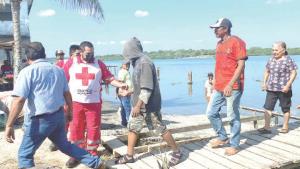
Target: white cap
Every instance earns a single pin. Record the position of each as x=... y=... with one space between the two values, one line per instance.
x=222 y=22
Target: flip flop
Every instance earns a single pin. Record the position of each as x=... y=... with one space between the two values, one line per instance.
x=175 y=158
x=125 y=159
x=284 y=131
x=264 y=131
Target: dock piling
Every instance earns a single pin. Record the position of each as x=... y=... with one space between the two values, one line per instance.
x=190 y=77
x=158 y=73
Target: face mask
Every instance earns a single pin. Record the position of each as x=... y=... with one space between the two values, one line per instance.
x=89 y=57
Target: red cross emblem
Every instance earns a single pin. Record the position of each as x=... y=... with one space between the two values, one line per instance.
x=85 y=76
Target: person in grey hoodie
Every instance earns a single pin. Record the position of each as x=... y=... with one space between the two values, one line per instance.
x=146 y=102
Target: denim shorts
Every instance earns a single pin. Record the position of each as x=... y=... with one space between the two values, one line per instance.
x=285 y=101
x=153 y=121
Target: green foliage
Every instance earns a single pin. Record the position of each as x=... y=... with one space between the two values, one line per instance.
x=183 y=53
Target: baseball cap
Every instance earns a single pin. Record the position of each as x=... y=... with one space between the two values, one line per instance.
x=59 y=52
x=222 y=22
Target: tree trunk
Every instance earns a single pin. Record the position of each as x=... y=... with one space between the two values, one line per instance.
x=15 y=9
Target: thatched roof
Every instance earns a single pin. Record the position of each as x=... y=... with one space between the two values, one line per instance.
x=7 y=8
x=6 y=25
x=8 y=41
x=29 y=5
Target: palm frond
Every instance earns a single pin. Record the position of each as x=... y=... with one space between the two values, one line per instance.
x=85 y=7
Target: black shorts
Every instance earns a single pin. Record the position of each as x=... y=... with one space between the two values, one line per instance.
x=285 y=101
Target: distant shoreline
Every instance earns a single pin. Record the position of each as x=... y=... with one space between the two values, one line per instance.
x=190 y=53
x=202 y=53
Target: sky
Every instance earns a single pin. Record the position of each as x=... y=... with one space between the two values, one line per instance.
x=164 y=24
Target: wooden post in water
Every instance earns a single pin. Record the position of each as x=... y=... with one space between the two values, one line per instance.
x=158 y=73
x=190 y=78
x=190 y=86
x=255 y=123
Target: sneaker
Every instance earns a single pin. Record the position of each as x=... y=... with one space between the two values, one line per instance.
x=72 y=163
x=175 y=158
x=231 y=151
x=216 y=143
x=52 y=147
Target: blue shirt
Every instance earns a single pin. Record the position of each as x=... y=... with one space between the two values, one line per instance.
x=43 y=85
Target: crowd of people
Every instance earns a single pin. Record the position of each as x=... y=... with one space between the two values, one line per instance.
x=66 y=97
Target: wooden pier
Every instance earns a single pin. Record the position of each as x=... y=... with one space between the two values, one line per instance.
x=257 y=151
x=191 y=132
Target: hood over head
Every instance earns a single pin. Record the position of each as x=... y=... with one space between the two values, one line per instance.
x=133 y=49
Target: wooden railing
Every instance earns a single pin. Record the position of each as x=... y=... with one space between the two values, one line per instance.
x=274 y=114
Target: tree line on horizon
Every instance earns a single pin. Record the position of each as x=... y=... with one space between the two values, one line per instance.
x=185 y=53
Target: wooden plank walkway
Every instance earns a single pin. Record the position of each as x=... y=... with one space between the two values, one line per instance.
x=257 y=151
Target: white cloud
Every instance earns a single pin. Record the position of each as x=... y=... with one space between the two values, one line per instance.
x=123 y=42
x=141 y=13
x=46 y=13
x=277 y=1
x=112 y=42
x=147 y=42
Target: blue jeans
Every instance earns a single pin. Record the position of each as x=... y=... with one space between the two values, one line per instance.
x=232 y=102
x=125 y=109
x=50 y=126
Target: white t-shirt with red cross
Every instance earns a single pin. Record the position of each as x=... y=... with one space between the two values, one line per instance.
x=85 y=79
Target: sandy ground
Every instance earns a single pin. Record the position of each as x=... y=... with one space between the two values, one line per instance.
x=44 y=159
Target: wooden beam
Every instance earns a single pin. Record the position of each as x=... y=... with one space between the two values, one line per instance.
x=163 y=145
x=195 y=127
x=117 y=146
x=263 y=111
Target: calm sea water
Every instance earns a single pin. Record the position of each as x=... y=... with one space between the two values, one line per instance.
x=179 y=98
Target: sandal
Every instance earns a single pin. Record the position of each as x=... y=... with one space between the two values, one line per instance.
x=124 y=159
x=175 y=158
x=284 y=131
x=264 y=131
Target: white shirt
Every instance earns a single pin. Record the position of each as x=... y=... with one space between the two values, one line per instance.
x=209 y=88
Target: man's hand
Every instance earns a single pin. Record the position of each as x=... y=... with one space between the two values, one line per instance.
x=69 y=116
x=298 y=107
x=124 y=86
x=68 y=113
x=123 y=92
x=135 y=111
x=263 y=87
x=285 y=88
x=9 y=134
x=227 y=90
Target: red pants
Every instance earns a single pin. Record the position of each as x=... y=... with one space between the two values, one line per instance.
x=86 y=117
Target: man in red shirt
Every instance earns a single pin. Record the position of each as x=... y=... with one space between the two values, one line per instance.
x=228 y=85
x=85 y=74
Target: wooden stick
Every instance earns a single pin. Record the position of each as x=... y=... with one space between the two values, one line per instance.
x=195 y=127
x=263 y=111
